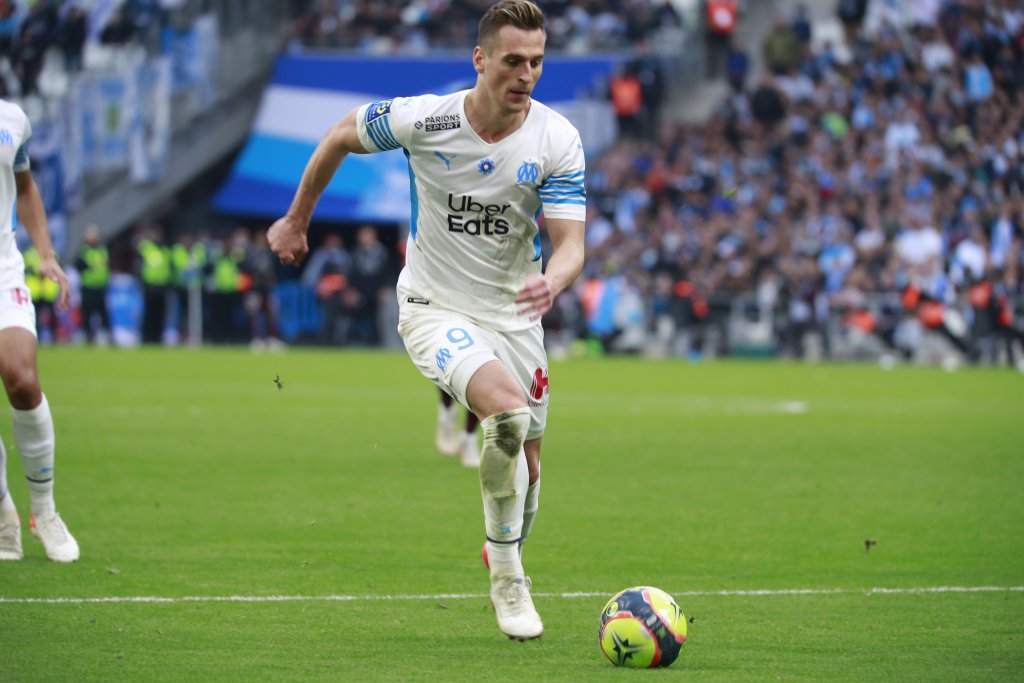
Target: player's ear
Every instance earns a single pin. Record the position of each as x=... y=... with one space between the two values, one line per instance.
x=478 y=59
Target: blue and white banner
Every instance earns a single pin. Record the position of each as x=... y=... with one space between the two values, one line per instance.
x=71 y=155
x=44 y=150
x=150 y=137
x=195 y=54
x=308 y=93
x=106 y=104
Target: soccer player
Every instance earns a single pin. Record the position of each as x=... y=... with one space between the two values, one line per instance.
x=450 y=440
x=33 y=424
x=484 y=163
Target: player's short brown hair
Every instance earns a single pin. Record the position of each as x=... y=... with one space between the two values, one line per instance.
x=519 y=13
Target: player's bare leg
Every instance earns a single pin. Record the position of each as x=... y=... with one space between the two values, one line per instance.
x=10 y=523
x=532 y=502
x=34 y=436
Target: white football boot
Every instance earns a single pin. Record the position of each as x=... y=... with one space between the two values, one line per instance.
x=10 y=533
x=469 y=450
x=448 y=438
x=58 y=542
x=517 y=617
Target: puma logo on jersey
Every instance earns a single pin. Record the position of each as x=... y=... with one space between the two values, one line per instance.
x=447 y=160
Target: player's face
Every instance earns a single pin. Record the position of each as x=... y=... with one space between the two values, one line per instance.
x=511 y=68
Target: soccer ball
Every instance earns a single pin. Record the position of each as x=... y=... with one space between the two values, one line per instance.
x=642 y=627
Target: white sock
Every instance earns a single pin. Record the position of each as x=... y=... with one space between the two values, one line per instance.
x=504 y=478
x=7 y=509
x=503 y=558
x=447 y=414
x=33 y=433
x=529 y=512
x=3 y=472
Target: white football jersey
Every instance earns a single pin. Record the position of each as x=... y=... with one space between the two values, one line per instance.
x=473 y=229
x=15 y=130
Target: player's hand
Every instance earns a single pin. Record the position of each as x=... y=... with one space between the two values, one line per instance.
x=536 y=297
x=49 y=268
x=287 y=238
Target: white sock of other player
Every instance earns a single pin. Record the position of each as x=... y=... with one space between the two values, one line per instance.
x=532 y=502
x=7 y=509
x=33 y=432
x=504 y=478
x=447 y=438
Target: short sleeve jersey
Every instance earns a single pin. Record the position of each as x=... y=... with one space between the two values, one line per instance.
x=474 y=236
x=15 y=130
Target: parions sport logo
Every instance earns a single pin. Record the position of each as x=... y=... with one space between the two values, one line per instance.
x=484 y=219
x=442 y=122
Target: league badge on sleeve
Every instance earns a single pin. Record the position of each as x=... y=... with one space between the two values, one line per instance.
x=377 y=109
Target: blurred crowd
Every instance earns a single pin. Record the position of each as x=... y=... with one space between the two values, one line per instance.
x=879 y=196
x=30 y=31
x=389 y=26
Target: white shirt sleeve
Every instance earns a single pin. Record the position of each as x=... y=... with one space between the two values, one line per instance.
x=385 y=125
x=563 y=192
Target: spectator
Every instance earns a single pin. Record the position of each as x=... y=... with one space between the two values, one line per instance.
x=801 y=25
x=626 y=94
x=720 y=20
x=652 y=88
x=118 y=31
x=226 y=287
x=93 y=265
x=327 y=273
x=10 y=22
x=44 y=293
x=153 y=268
x=737 y=66
x=259 y=303
x=767 y=103
x=782 y=49
x=188 y=257
x=371 y=272
x=71 y=37
x=34 y=38
x=977 y=79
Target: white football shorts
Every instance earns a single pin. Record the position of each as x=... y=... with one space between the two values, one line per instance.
x=16 y=309
x=448 y=348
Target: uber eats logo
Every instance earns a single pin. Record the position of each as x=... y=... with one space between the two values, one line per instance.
x=483 y=219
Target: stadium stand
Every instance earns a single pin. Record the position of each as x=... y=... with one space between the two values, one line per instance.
x=847 y=186
x=820 y=195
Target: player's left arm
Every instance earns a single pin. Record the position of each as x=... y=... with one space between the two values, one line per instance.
x=32 y=215
x=567 y=249
x=563 y=196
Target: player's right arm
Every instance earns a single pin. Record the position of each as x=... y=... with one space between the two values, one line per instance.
x=287 y=236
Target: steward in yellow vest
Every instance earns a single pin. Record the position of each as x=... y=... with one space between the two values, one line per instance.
x=93 y=264
x=154 y=270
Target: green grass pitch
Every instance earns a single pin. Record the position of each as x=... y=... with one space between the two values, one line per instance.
x=746 y=490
